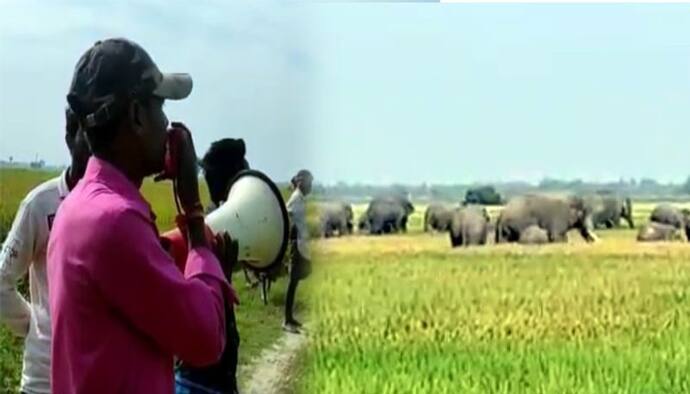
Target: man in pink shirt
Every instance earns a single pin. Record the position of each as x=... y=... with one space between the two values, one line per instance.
x=121 y=310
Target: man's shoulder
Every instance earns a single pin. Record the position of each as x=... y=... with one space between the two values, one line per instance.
x=44 y=197
x=295 y=197
x=97 y=202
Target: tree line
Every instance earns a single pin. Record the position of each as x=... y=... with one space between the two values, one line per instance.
x=644 y=189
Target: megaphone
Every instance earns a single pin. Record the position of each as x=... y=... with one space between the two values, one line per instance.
x=254 y=214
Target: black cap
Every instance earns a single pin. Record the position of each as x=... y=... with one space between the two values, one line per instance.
x=112 y=72
x=302 y=175
x=223 y=154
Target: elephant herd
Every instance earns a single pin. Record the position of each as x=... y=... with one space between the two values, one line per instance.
x=384 y=215
x=528 y=219
x=531 y=219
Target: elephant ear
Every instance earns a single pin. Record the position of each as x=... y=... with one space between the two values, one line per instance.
x=577 y=215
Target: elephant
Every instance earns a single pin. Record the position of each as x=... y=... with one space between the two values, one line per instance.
x=534 y=235
x=388 y=214
x=608 y=210
x=654 y=231
x=668 y=214
x=555 y=215
x=438 y=217
x=469 y=226
x=335 y=217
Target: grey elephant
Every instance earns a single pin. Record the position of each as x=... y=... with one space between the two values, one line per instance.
x=555 y=215
x=673 y=216
x=469 y=226
x=438 y=217
x=388 y=214
x=335 y=218
x=654 y=231
x=608 y=209
x=534 y=235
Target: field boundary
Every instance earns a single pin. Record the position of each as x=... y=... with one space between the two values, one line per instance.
x=271 y=372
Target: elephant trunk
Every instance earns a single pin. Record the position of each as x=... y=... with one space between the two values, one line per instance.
x=586 y=230
x=629 y=212
x=498 y=236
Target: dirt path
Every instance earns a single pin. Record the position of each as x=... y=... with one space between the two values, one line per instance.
x=270 y=373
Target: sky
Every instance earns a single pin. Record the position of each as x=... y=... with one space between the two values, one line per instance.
x=384 y=92
x=247 y=60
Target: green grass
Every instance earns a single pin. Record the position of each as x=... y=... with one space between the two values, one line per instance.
x=259 y=325
x=408 y=314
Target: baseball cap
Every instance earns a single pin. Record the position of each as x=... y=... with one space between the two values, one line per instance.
x=112 y=72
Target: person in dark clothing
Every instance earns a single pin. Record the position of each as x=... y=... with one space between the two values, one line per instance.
x=223 y=161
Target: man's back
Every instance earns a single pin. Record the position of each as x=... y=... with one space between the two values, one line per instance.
x=24 y=251
x=120 y=307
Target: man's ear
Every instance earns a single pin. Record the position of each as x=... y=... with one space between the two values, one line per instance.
x=136 y=115
x=69 y=140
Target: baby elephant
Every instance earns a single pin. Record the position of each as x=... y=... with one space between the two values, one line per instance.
x=654 y=231
x=534 y=235
x=469 y=226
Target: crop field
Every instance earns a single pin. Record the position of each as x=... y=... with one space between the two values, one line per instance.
x=408 y=314
x=259 y=325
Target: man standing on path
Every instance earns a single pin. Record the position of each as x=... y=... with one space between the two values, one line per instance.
x=300 y=263
x=24 y=251
x=121 y=310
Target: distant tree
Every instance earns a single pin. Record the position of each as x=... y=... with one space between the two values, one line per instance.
x=686 y=186
x=551 y=184
x=648 y=183
x=485 y=195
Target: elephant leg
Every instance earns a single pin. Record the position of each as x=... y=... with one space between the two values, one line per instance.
x=375 y=226
x=455 y=241
x=554 y=236
x=465 y=238
x=511 y=234
x=498 y=236
x=630 y=221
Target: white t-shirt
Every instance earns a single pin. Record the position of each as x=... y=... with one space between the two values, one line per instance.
x=297 y=210
x=25 y=250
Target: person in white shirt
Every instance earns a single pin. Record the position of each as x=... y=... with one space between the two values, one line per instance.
x=24 y=250
x=300 y=263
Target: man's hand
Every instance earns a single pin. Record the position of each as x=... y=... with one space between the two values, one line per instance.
x=226 y=250
x=187 y=171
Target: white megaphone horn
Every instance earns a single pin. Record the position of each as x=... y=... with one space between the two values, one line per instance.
x=254 y=214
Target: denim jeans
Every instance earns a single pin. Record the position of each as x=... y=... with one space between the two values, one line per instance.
x=184 y=386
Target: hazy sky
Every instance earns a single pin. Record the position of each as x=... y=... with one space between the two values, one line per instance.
x=386 y=92
x=252 y=76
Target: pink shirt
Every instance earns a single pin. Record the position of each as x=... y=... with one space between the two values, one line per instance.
x=120 y=308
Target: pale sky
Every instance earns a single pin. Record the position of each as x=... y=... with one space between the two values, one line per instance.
x=252 y=76
x=385 y=92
